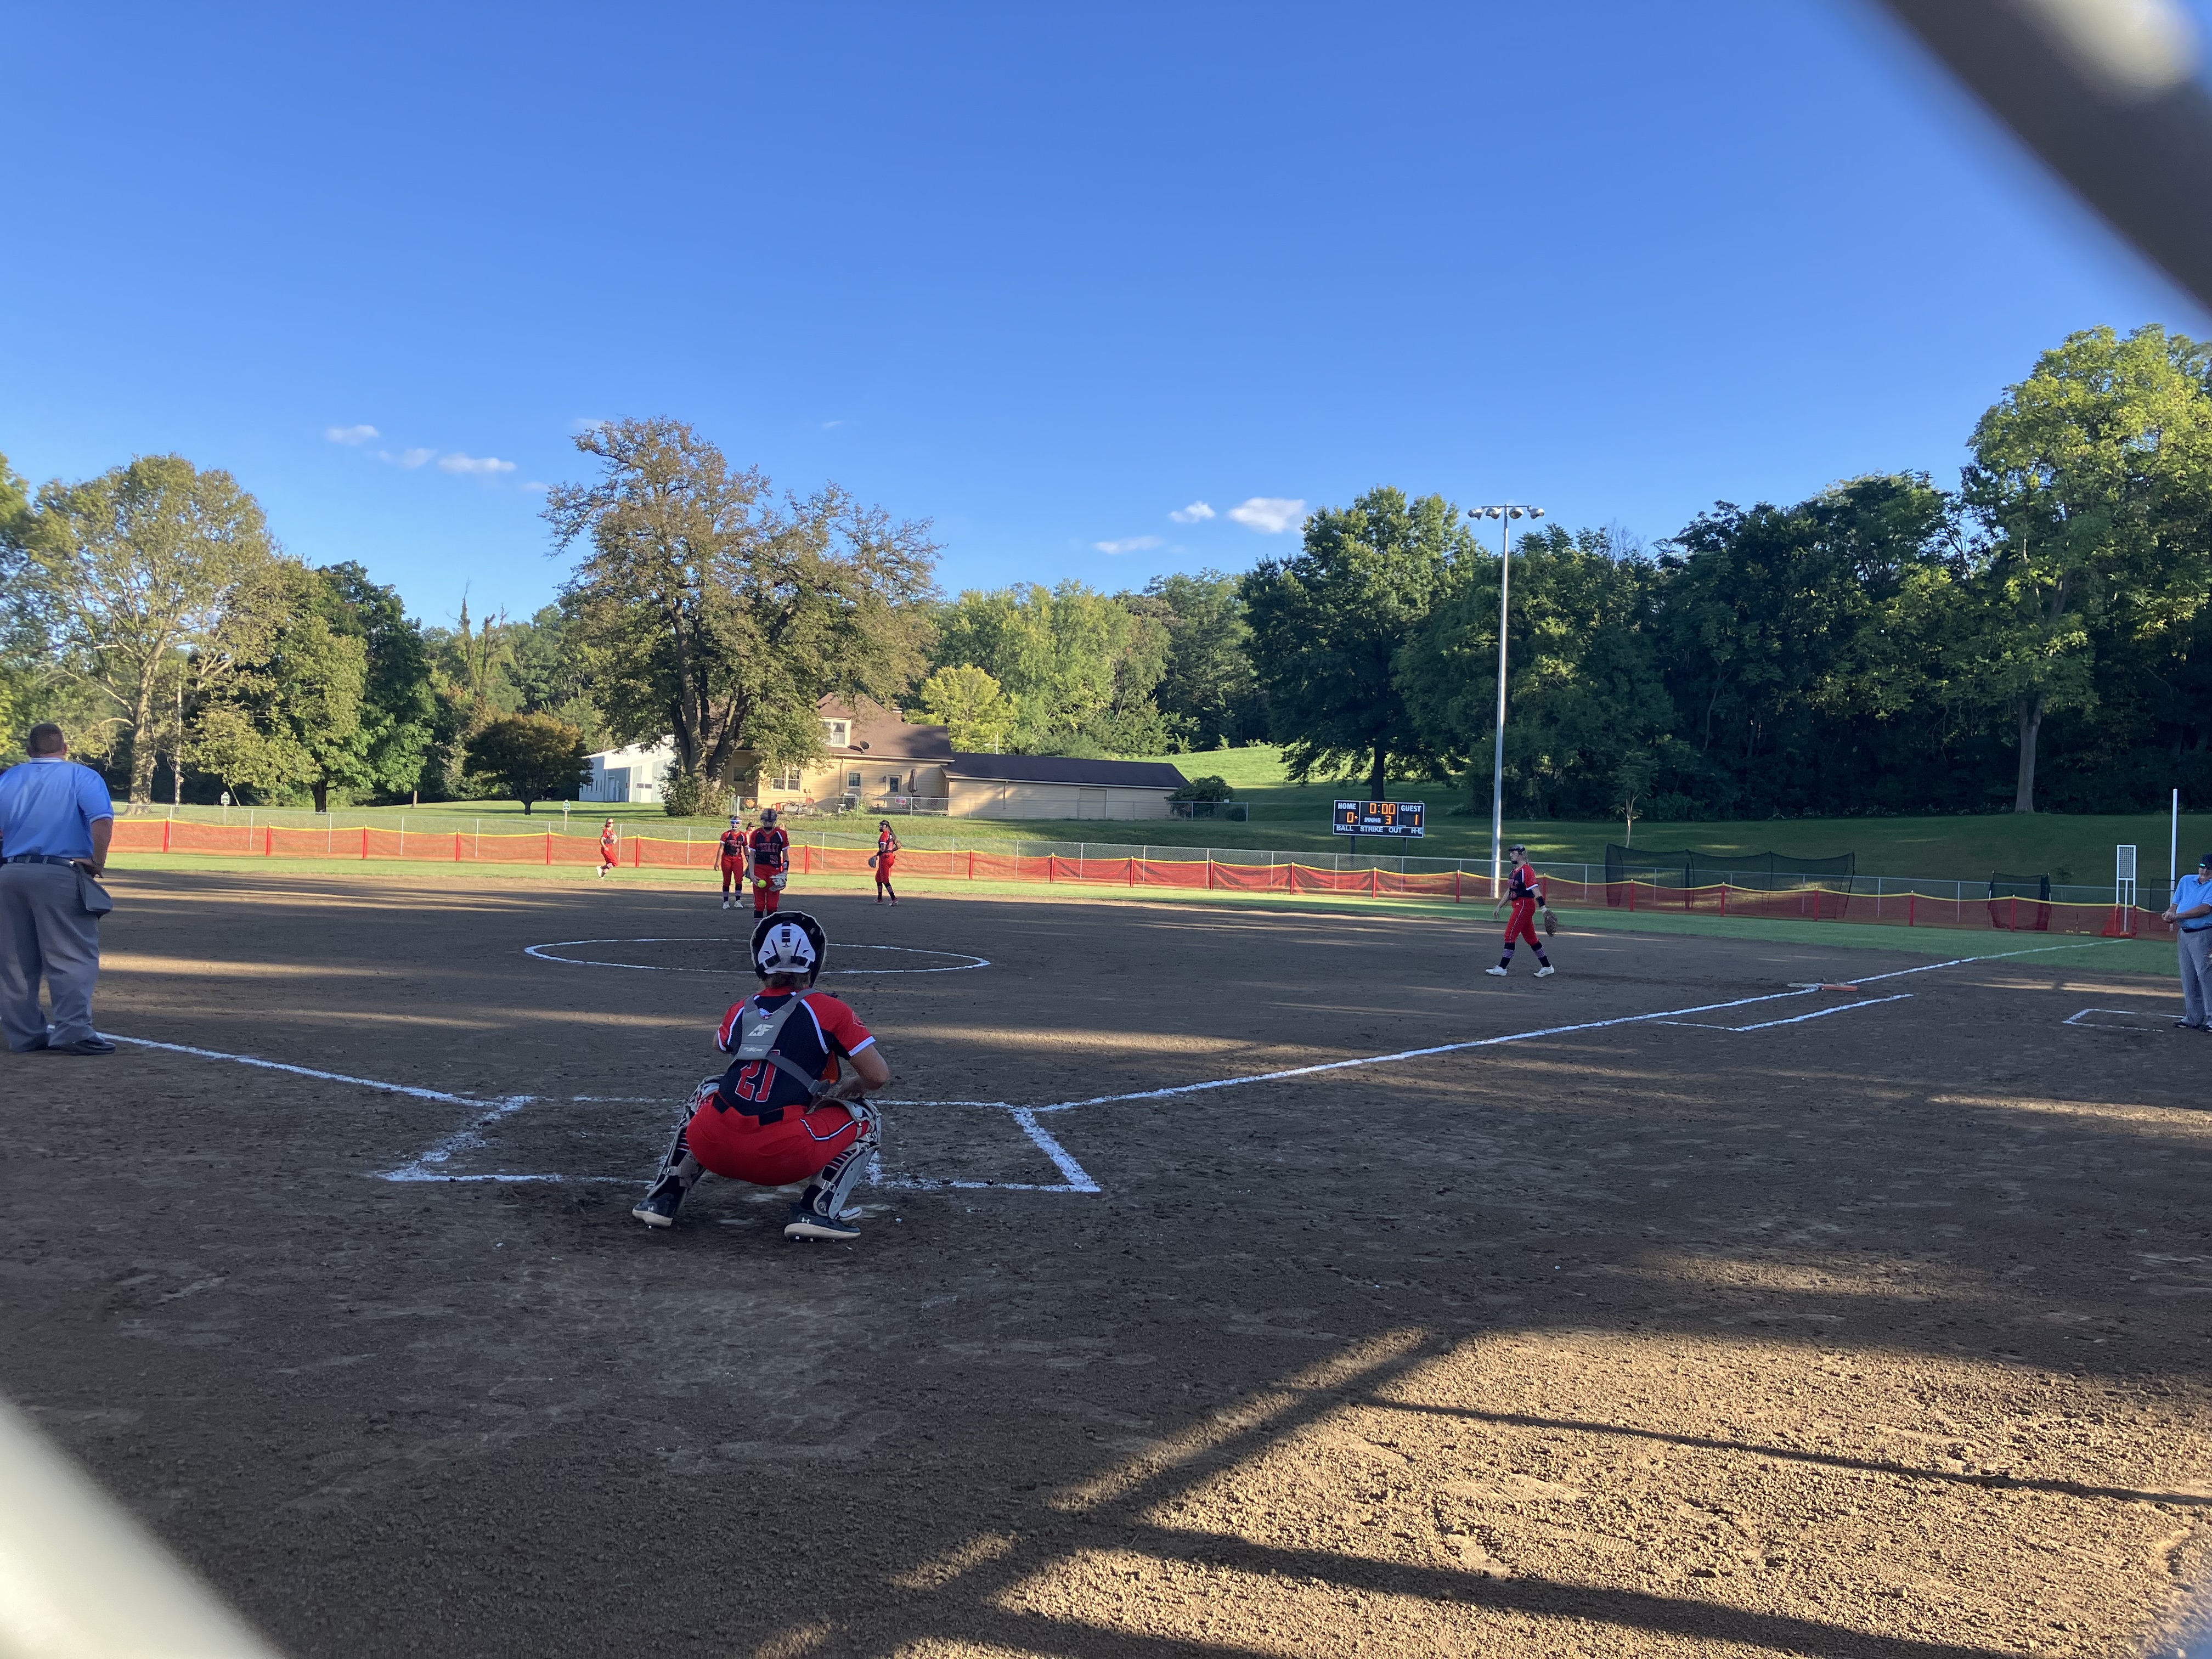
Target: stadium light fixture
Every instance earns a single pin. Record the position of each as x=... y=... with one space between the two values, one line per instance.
x=1504 y=512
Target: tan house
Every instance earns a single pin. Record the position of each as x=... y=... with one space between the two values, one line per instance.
x=1055 y=787
x=875 y=756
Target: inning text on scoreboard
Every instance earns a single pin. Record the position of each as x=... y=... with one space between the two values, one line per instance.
x=1376 y=817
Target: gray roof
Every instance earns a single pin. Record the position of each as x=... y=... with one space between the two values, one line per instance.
x=1061 y=768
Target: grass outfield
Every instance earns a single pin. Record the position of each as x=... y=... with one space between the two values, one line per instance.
x=1294 y=818
x=2119 y=956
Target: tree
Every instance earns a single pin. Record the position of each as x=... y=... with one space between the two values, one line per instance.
x=969 y=701
x=1208 y=688
x=710 y=611
x=1078 y=666
x=532 y=757
x=290 y=717
x=1631 y=781
x=2093 y=476
x=1328 y=625
x=124 y=575
x=399 y=710
x=1584 y=686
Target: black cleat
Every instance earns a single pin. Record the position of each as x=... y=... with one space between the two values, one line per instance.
x=91 y=1045
x=806 y=1222
x=658 y=1208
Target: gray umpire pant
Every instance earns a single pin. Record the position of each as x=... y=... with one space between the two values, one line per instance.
x=2195 y=974
x=45 y=933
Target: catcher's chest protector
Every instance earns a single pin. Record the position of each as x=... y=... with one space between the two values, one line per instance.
x=757 y=1038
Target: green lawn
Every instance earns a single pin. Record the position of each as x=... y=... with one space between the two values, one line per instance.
x=1294 y=818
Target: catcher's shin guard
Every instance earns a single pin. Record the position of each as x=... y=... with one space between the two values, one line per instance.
x=679 y=1171
x=826 y=1194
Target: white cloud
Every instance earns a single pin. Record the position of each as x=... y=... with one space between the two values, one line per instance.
x=1270 y=514
x=350 y=434
x=1133 y=544
x=1196 y=513
x=482 y=466
x=410 y=459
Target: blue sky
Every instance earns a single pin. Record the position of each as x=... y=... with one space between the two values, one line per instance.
x=1045 y=274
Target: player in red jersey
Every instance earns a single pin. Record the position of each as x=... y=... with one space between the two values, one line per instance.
x=732 y=860
x=1524 y=891
x=783 y=1112
x=609 y=847
x=887 y=851
x=771 y=855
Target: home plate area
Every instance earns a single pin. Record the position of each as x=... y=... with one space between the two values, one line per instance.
x=1247 y=1280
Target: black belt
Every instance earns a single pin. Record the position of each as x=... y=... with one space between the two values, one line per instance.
x=773 y=1115
x=41 y=858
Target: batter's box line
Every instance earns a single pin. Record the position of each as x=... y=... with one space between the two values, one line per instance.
x=2154 y=1015
x=428 y=1166
x=471 y=1135
x=1793 y=1019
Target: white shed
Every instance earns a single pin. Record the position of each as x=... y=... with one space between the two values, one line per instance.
x=632 y=773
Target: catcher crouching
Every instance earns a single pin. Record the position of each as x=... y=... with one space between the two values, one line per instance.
x=783 y=1111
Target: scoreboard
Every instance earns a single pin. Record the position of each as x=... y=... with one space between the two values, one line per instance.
x=1376 y=817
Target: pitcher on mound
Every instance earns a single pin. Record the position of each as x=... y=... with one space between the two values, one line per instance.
x=783 y=1111
x=770 y=847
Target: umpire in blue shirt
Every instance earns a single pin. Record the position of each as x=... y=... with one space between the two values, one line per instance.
x=2191 y=915
x=56 y=821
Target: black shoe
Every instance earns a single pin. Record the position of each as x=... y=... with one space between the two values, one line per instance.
x=35 y=1044
x=807 y=1222
x=658 y=1208
x=91 y=1045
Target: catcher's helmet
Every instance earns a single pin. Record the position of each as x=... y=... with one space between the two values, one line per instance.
x=791 y=942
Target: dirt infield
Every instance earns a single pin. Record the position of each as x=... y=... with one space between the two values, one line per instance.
x=1819 y=1323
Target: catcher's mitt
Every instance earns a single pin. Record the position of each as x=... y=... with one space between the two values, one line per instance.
x=1551 y=921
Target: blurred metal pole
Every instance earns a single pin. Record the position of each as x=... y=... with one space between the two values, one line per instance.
x=79 y=1579
x=2105 y=92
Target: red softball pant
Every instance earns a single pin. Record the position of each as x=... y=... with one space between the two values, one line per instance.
x=1522 y=924
x=743 y=1148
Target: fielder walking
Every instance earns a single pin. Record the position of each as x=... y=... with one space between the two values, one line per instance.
x=55 y=822
x=2191 y=915
x=783 y=1112
x=1524 y=891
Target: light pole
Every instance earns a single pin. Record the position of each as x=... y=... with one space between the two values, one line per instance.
x=1504 y=512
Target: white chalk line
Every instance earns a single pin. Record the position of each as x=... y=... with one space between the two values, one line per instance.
x=1793 y=1019
x=2155 y=1016
x=1077 y=1180
x=428 y=1165
x=962 y=961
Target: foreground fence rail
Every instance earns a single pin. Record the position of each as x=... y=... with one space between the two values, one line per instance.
x=1881 y=901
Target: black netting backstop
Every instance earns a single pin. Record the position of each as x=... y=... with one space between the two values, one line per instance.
x=1763 y=872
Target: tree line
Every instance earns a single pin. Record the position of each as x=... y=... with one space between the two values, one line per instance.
x=2037 y=636
x=2029 y=638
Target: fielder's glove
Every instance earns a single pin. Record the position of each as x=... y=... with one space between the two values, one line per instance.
x=1551 y=921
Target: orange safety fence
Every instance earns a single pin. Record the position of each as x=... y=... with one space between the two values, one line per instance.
x=1807 y=903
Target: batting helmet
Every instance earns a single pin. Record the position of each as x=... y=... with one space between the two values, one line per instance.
x=790 y=943
x=768 y=815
